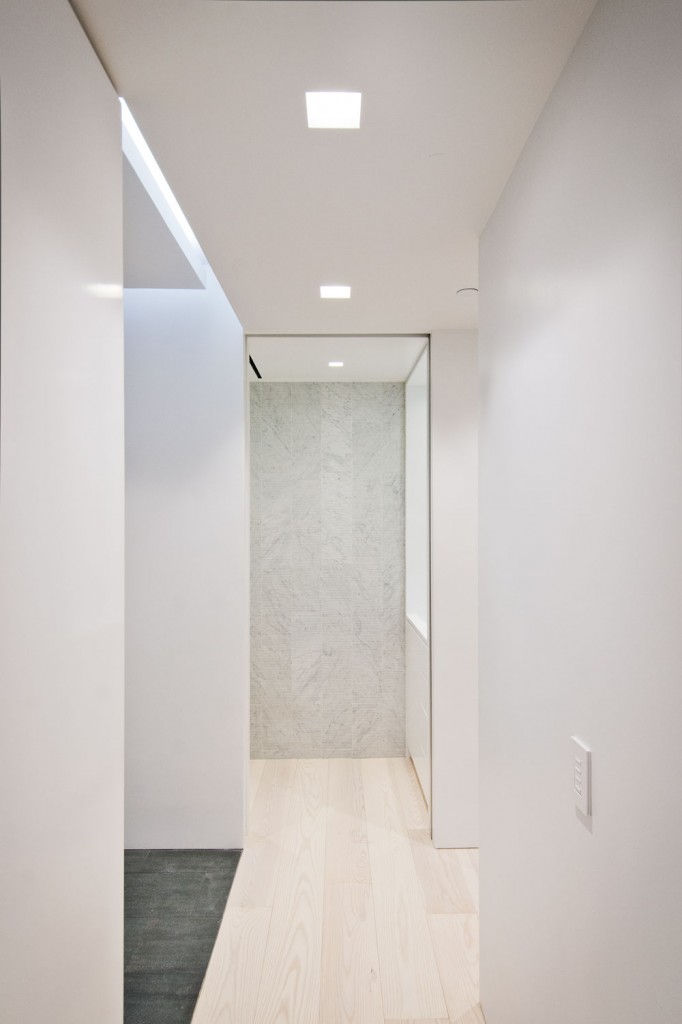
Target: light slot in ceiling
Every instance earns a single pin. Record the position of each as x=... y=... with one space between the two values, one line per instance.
x=333 y=109
x=334 y=291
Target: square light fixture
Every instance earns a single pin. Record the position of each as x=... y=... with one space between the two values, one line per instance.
x=336 y=364
x=334 y=291
x=333 y=109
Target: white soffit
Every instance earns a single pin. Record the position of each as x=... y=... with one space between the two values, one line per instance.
x=364 y=358
x=450 y=93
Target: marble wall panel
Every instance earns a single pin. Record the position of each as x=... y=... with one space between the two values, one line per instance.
x=327 y=570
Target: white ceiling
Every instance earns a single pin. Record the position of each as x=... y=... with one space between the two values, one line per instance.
x=450 y=92
x=375 y=358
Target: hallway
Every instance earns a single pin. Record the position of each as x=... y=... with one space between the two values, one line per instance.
x=341 y=909
x=511 y=194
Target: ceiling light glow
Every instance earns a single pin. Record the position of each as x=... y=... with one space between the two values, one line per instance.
x=336 y=364
x=334 y=291
x=333 y=109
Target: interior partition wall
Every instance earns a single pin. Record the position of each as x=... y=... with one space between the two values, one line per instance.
x=581 y=548
x=417 y=574
x=61 y=525
x=327 y=569
x=186 y=569
x=453 y=400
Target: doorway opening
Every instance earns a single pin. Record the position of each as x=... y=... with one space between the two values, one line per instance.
x=335 y=545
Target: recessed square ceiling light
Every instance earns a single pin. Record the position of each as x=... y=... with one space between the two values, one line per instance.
x=334 y=291
x=336 y=364
x=333 y=109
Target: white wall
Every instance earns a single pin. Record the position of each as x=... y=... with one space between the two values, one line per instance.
x=418 y=704
x=581 y=550
x=186 y=565
x=417 y=486
x=454 y=594
x=417 y=556
x=61 y=526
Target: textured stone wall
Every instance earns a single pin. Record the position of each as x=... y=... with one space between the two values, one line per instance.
x=327 y=570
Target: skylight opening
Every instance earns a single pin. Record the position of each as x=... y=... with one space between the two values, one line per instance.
x=147 y=157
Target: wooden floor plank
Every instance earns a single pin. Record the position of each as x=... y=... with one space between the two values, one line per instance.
x=420 y=1021
x=474 y=1016
x=256 y=766
x=351 y=988
x=290 y=980
x=347 y=856
x=327 y=919
x=415 y=811
x=271 y=802
x=410 y=982
x=456 y=942
x=255 y=882
x=468 y=862
x=442 y=877
x=230 y=989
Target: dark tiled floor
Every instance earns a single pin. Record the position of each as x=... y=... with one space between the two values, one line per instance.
x=174 y=902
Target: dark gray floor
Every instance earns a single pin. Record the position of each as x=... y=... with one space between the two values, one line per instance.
x=174 y=903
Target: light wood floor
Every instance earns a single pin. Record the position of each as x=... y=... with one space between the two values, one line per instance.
x=341 y=910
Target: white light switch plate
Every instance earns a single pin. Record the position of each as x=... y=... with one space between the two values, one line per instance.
x=582 y=776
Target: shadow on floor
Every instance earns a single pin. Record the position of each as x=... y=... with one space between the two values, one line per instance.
x=174 y=903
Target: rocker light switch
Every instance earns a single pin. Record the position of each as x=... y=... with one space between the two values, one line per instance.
x=582 y=776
